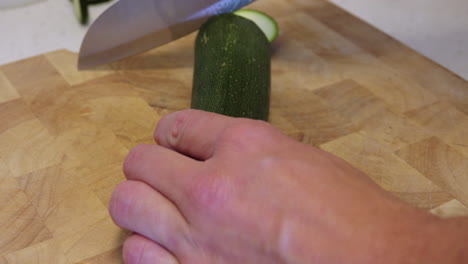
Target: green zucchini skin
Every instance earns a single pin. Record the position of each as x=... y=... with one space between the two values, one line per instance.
x=232 y=68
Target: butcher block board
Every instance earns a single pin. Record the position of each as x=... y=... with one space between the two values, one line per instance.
x=337 y=83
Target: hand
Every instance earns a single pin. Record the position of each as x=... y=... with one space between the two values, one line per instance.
x=223 y=190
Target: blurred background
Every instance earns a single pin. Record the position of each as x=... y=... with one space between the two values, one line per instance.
x=437 y=29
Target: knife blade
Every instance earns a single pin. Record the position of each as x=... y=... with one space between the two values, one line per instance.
x=130 y=27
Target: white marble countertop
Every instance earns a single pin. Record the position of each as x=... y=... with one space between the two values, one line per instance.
x=39 y=27
x=437 y=29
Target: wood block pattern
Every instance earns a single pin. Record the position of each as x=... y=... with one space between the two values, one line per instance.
x=337 y=83
x=65 y=63
x=444 y=121
x=13 y=113
x=47 y=251
x=7 y=92
x=388 y=170
x=111 y=256
x=20 y=224
x=28 y=147
x=441 y=164
x=438 y=80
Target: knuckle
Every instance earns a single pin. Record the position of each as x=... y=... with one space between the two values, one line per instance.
x=248 y=134
x=211 y=193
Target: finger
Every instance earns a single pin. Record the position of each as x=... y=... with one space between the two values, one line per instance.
x=138 y=249
x=139 y=208
x=192 y=132
x=163 y=169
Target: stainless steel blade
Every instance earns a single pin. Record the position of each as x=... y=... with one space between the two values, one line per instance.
x=130 y=27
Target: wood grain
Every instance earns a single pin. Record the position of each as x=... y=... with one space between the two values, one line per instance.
x=65 y=63
x=7 y=92
x=47 y=251
x=440 y=163
x=410 y=64
x=444 y=121
x=337 y=83
x=20 y=224
x=387 y=169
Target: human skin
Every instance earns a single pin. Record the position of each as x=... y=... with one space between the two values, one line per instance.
x=222 y=190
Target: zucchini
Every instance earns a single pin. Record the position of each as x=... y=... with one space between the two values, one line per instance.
x=81 y=10
x=232 y=68
x=266 y=23
x=96 y=2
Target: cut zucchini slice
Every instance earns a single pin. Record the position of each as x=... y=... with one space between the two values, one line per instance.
x=265 y=22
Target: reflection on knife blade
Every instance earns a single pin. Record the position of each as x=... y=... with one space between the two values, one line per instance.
x=130 y=27
x=220 y=7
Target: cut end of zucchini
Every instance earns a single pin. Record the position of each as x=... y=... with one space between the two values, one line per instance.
x=265 y=22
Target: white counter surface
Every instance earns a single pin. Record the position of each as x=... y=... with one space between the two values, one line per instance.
x=437 y=29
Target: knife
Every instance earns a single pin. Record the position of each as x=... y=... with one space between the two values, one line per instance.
x=130 y=27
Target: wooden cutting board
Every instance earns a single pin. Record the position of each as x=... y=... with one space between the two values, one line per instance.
x=337 y=83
